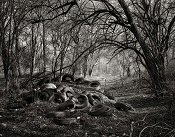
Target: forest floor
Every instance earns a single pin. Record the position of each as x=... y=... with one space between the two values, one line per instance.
x=151 y=117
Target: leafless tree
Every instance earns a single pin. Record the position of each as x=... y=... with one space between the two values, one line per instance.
x=149 y=25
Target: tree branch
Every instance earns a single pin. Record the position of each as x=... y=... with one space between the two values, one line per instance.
x=168 y=34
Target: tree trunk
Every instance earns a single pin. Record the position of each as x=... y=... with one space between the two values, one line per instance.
x=90 y=71
x=32 y=54
x=54 y=60
x=153 y=63
x=128 y=71
x=5 y=59
x=14 y=81
x=44 y=49
x=74 y=67
x=62 y=55
x=173 y=52
x=85 y=65
x=17 y=52
x=156 y=71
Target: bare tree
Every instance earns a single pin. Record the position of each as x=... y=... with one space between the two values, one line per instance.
x=12 y=15
x=149 y=24
x=16 y=17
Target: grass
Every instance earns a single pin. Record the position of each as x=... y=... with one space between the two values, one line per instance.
x=151 y=118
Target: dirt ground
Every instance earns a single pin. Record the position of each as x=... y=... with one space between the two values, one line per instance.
x=151 y=117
